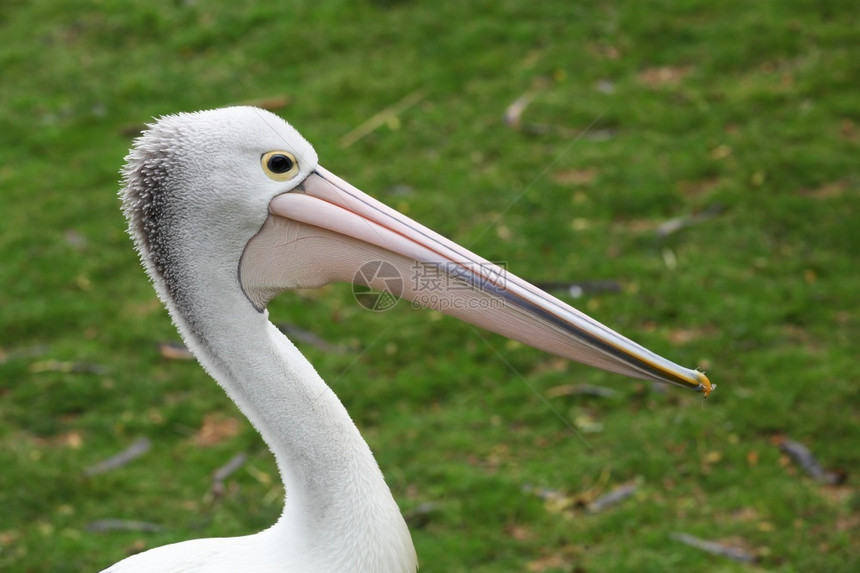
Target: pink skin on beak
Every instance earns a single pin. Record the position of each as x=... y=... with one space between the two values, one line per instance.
x=325 y=229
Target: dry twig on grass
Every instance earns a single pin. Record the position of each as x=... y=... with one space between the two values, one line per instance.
x=103 y=525
x=716 y=548
x=804 y=457
x=381 y=118
x=614 y=497
x=225 y=471
x=135 y=450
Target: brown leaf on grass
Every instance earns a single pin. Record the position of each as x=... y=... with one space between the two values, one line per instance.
x=546 y=563
x=136 y=546
x=752 y=458
x=710 y=459
x=551 y=364
x=720 y=152
x=174 y=351
x=135 y=309
x=681 y=336
x=604 y=51
x=504 y=232
x=829 y=190
x=635 y=225
x=847 y=523
x=580 y=390
x=68 y=367
x=271 y=103
x=745 y=514
x=801 y=336
x=664 y=76
x=519 y=532
x=216 y=429
x=564 y=558
x=8 y=537
x=71 y=439
x=840 y=495
x=575 y=176
x=698 y=187
x=103 y=525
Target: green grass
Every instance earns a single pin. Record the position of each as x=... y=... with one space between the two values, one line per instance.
x=752 y=107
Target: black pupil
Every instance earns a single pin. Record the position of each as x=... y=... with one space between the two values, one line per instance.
x=280 y=163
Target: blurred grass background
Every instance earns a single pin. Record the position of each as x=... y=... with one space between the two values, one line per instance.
x=739 y=119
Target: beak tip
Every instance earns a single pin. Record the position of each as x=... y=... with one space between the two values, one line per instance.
x=705 y=385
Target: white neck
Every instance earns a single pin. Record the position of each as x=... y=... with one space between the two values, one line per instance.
x=339 y=513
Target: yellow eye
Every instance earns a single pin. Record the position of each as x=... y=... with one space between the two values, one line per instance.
x=279 y=165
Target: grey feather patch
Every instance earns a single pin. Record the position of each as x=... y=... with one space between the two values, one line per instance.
x=152 y=176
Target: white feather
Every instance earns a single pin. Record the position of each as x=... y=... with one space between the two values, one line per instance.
x=195 y=195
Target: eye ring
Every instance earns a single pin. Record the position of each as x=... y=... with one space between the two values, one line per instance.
x=279 y=165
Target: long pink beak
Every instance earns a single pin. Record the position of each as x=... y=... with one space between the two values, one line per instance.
x=326 y=230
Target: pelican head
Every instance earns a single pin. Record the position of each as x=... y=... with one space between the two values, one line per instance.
x=229 y=207
x=261 y=214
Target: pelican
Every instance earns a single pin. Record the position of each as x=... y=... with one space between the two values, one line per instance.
x=228 y=208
